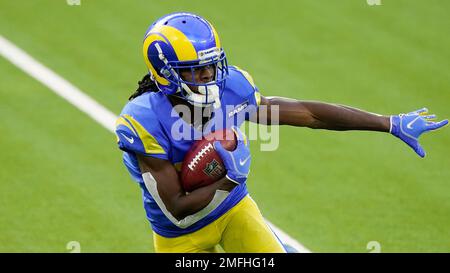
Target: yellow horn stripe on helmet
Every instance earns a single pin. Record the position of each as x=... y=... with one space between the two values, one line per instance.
x=147 y=42
x=184 y=49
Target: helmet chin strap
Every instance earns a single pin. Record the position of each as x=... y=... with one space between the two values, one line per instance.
x=209 y=94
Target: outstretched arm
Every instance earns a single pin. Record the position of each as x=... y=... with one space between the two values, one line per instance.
x=320 y=115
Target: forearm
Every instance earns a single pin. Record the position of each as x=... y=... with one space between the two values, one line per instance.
x=320 y=115
x=341 y=117
x=188 y=204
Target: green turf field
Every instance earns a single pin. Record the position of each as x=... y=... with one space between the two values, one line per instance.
x=61 y=176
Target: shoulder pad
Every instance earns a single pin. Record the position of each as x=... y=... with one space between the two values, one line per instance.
x=138 y=130
x=243 y=83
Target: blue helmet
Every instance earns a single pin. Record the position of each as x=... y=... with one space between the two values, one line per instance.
x=182 y=42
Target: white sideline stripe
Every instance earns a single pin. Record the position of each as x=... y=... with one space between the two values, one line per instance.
x=284 y=237
x=86 y=104
x=57 y=84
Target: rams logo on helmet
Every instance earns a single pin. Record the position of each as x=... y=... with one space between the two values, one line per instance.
x=185 y=41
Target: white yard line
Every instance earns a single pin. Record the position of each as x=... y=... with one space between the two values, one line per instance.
x=57 y=84
x=285 y=238
x=86 y=104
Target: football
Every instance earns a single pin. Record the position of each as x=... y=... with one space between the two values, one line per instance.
x=202 y=165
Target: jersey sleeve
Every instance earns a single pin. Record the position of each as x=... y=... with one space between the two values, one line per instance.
x=248 y=91
x=253 y=95
x=142 y=135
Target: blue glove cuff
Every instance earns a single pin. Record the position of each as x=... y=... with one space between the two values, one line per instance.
x=395 y=125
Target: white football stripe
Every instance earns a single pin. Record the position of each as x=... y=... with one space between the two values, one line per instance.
x=83 y=102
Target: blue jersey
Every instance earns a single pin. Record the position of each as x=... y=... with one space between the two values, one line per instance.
x=146 y=126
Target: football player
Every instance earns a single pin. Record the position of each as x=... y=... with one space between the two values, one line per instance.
x=188 y=69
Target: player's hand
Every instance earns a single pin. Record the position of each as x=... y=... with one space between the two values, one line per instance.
x=409 y=127
x=236 y=162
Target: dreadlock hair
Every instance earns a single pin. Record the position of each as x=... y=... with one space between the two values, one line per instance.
x=147 y=84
